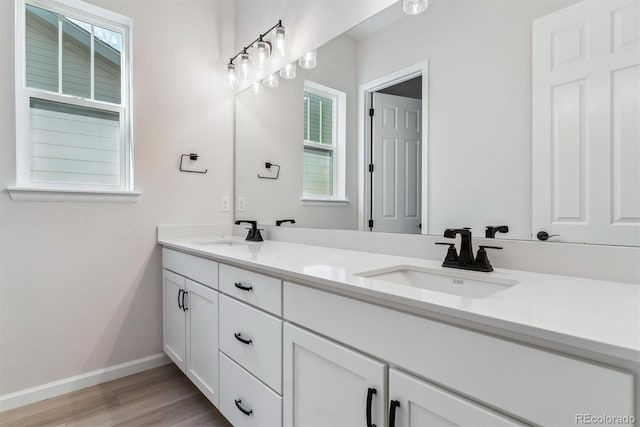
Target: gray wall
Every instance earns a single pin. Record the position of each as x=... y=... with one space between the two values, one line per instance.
x=80 y=283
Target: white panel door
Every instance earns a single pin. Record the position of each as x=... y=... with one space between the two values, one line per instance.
x=201 y=306
x=586 y=123
x=416 y=403
x=397 y=145
x=173 y=325
x=326 y=384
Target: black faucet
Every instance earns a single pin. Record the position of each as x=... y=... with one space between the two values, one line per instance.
x=279 y=222
x=254 y=232
x=491 y=230
x=465 y=260
x=466 y=250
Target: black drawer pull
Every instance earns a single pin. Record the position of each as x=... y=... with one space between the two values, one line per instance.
x=244 y=411
x=238 y=336
x=244 y=288
x=370 y=392
x=180 y=291
x=392 y=412
x=184 y=307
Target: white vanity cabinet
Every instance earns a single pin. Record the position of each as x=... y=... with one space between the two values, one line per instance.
x=416 y=403
x=294 y=355
x=532 y=384
x=174 y=319
x=328 y=384
x=201 y=307
x=253 y=339
x=246 y=401
x=190 y=321
x=250 y=347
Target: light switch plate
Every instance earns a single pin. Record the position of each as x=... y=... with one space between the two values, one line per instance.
x=225 y=203
x=242 y=204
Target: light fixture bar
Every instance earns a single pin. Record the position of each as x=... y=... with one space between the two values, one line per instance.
x=260 y=38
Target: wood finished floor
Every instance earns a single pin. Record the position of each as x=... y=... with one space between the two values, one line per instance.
x=159 y=397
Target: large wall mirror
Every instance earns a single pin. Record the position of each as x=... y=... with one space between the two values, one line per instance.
x=473 y=113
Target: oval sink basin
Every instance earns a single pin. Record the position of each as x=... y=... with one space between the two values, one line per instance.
x=464 y=284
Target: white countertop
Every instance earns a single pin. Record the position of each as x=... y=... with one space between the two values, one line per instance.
x=592 y=315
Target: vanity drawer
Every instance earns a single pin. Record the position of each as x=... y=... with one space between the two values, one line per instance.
x=263 y=355
x=198 y=269
x=537 y=385
x=239 y=390
x=253 y=288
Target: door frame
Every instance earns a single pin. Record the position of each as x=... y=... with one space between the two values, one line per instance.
x=364 y=155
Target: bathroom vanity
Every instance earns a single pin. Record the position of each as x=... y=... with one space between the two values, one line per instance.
x=277 y=333
x=517 y=117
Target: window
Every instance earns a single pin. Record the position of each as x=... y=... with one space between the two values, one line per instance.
x=73 y=98
x=324 y=143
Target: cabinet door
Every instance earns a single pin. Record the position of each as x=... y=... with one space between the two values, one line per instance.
x=201 y=307
x=326 y=384
x=173 y=322
x=417 y=403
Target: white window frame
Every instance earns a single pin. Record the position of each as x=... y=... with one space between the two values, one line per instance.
x=25 y=189
x=339 y=111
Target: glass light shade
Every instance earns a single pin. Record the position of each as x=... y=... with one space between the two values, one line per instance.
x=263 y=51
x=272 y=80
x=288 y=71
x=257 y=88
x=232 y=77
x=413 y=7
x=279 y=42
x=308 y=60
x=245 y=66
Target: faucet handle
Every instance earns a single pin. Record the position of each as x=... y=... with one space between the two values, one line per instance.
x=452 y=255
x=482 y=260
x=257 y=237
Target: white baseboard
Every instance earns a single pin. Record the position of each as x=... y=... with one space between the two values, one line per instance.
x=67 y=385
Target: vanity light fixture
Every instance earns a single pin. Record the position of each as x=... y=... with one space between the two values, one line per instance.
x=245 y=65
x=272 y=80
x=257 y=88
x=232 y=77
x=263 y=51
x=288 y=71
x=280 y=41
x=308 y=60
x=414 y=7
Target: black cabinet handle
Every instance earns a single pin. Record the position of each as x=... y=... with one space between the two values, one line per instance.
x=180 y=291
x=185 y=308
x=238 y=336
x=370 y=392
x=241 y=409
x=244 y=288
x=392 y=412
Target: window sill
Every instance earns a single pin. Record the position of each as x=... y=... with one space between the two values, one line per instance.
x=309 y=201
x=33 y=194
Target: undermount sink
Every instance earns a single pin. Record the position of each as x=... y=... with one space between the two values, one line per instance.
x=464 y=284
x=223 y=242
